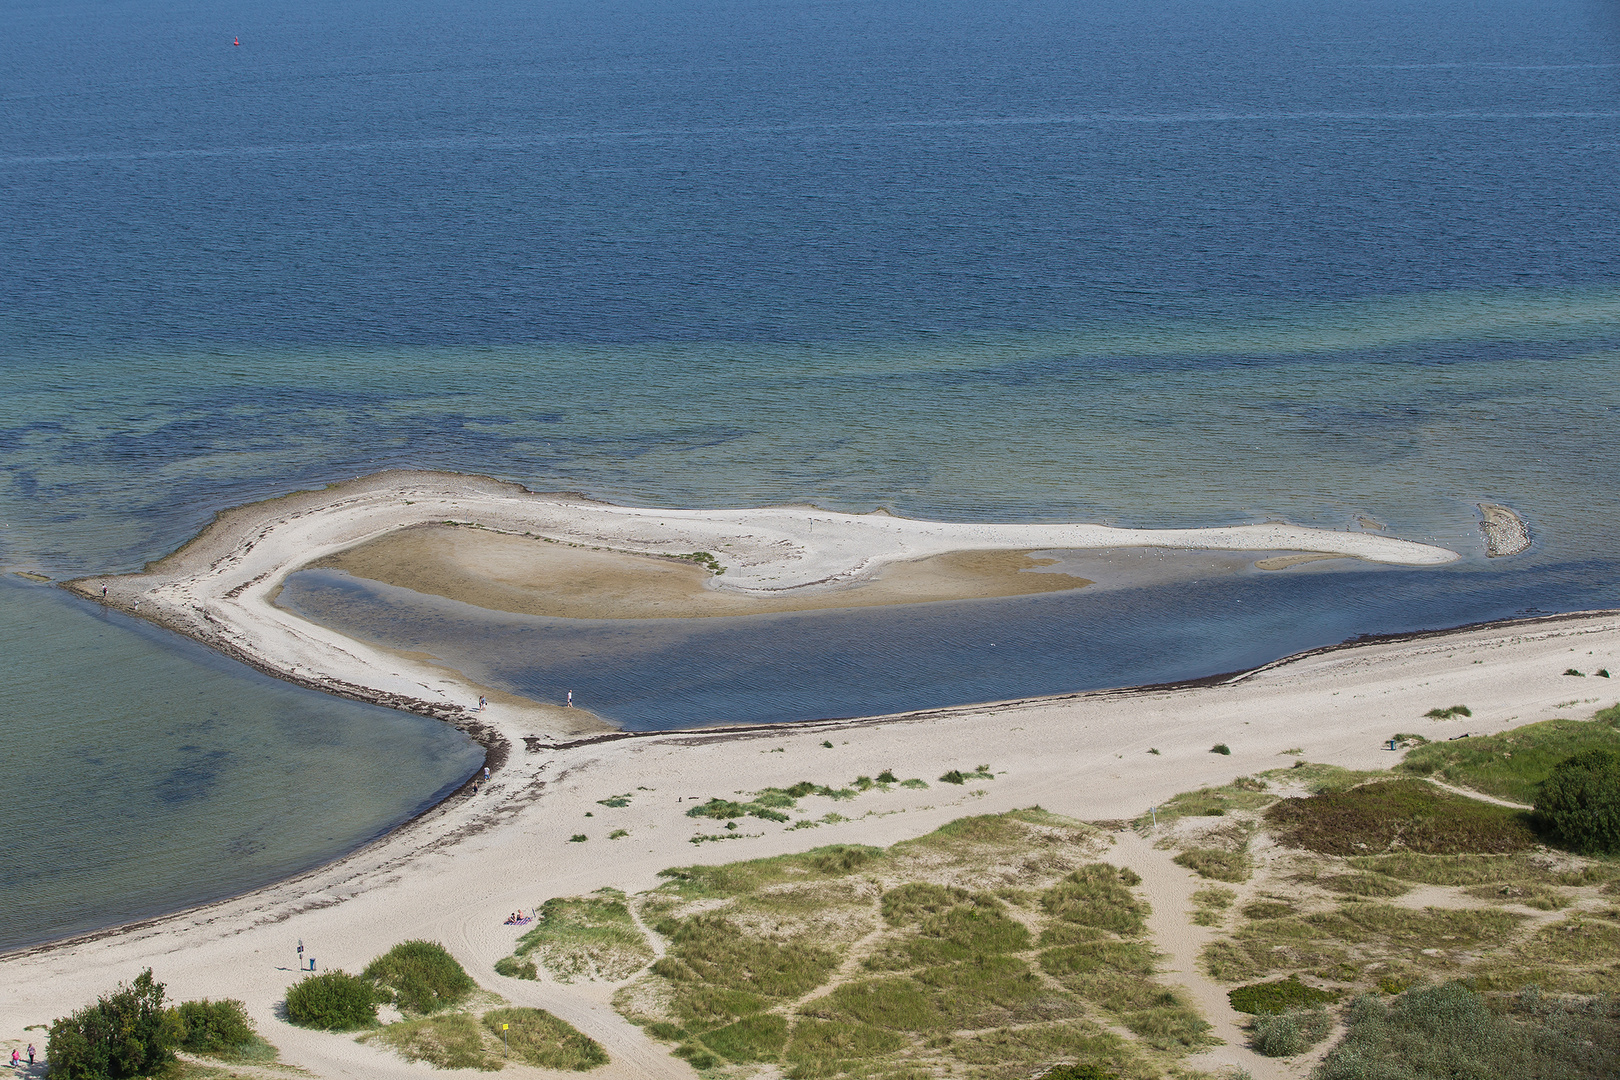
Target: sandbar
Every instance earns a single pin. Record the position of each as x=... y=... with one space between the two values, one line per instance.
x=220 y=588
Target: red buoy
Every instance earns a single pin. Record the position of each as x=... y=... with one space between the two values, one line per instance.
x=236 y=41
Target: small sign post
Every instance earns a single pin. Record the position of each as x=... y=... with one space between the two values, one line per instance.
x=505 y=1046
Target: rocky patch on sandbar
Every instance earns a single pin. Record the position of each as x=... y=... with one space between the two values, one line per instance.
x=1505 y=532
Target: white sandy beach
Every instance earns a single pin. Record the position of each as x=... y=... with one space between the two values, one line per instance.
x=454 y=874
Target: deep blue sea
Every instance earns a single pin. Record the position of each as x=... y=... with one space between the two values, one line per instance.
x=1165 y=262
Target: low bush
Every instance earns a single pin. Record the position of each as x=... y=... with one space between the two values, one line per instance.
x=333 y=1001
x=127 y=1033
x=215 y=1027
x=1410 y=814
x=1278 y=996
x=1220 y=748
x=513 y=968
x=1290 y=1033
x=1580 y=800
x=1447 y=714
x=420 y=976
x=1447 y=1032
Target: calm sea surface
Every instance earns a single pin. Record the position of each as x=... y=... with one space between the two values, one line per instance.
x=1157 y=263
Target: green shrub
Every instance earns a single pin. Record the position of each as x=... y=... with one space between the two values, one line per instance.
x=513 y=968
x=953 y=777
x=215 y=1027
x=1220 y=748
x=333 y=1001
x=126 y=1033
x=420 y=976
x=1581 y=801
x=1278 y=996
x=1289 y=1033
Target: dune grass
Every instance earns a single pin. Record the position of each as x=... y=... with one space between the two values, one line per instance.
x=535 y=1037
x=448 y=1041
x=1002 y=925
x=1215 y=864
x=581 y=937
x=1512 y=765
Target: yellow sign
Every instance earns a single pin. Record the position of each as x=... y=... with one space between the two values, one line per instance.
x=505 y=1026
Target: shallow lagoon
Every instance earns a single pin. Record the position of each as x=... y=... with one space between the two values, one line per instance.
x=146 y=773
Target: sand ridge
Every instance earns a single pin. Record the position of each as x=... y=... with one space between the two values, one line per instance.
x=220 y=587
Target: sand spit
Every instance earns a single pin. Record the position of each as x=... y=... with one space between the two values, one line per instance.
x=220 y=587
x=454 y=875
x=1505 y=531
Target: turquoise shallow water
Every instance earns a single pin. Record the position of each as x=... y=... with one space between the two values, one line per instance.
x=1153 y=263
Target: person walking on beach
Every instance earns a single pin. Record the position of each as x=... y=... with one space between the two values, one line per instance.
x=570 y=699
x=14 y=1057
x=481 y=703
x=30 y=1055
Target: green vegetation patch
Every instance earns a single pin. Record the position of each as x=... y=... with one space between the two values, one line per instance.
x=1449 y=1031
x=1581 y=801
x=1098 y=895
x=513 y=968
x=1483 y=869
x=1278 y=996
x=420 y=977
x=333 y=1001
x=127 y=1033
x=1513 y=765
x=836 y=1047
x=1412 y=814
x=999 y=925
x=1215 y=864
x=582 y=937
x=448 y=1041
x=960 y=776
x=1244 y=793
x=1288 y=1034
x=536 y=1037
x=1211 y=903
